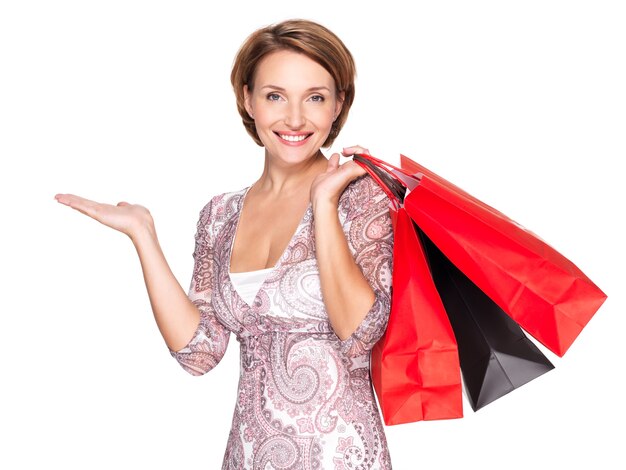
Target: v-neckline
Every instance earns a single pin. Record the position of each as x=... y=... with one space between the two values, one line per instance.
x=241 y=203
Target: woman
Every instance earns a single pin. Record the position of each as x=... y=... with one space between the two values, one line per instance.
x=297 y=265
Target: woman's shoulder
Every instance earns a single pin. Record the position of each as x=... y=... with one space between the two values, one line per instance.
x=222 y=206
x=228 y=198
x=362 y=194
x=364 y=188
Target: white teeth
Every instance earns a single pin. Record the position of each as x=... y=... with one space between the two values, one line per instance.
x=293 y=138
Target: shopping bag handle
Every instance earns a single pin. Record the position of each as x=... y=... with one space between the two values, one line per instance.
x=380 y=167
x=381 y=163
x=363 y=163
x=393 y=187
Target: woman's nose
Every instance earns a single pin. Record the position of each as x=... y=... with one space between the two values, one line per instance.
x=294 y=117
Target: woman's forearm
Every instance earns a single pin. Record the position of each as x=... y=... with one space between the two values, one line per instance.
x=176 y=316
x=347 y=294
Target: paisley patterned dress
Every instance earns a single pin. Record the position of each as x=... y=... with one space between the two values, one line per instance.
x=305 y=399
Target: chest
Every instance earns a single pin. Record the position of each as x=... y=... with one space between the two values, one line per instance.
x=262 y=234
x=289 y=298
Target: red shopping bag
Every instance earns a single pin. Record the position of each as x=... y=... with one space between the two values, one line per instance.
x=415 y=365
x=544 y=292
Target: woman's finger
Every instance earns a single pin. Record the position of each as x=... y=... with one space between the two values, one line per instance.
x=347 y=151
x=103 y=213
x=86 y=206
x=333 y=162
x=124 y=216
x=353 y=168
x=68 y=199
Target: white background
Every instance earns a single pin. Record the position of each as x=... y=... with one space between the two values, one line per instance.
x=520 y=103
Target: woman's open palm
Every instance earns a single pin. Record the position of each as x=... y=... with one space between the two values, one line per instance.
x=124 y=217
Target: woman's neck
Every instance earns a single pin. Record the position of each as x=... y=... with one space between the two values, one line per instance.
x=286 y=180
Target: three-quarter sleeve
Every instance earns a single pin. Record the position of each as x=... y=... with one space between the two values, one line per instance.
x=208 y=344
x=369 y=232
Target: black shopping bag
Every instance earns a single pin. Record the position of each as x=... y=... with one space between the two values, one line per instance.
x=496 y=356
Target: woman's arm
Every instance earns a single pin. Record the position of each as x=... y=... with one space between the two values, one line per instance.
x=347 y=295
x=194 y=336
x=354 y=250
x=176 y=316
x=187 y=322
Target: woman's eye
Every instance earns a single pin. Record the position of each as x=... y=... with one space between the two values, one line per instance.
x=317 y=98
x=273 y=97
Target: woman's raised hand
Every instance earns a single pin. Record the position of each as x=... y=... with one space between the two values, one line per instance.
x=124 y=217
x=330 y=185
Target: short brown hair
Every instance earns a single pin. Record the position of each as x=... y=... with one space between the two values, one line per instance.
x=303 y=36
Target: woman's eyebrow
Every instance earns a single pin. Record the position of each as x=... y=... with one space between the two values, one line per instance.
x=314 y=88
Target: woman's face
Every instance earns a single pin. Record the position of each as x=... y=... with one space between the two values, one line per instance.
x=293 y=103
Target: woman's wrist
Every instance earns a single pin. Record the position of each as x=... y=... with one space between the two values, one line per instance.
x=143 y=231
x=324 y=204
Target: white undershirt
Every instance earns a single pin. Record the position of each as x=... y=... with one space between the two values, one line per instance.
x=248 y=283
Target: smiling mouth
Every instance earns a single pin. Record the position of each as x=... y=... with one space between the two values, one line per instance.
x=293 y=138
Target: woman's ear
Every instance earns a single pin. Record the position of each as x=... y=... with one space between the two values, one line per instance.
x=339 y=104
x=247 y=100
